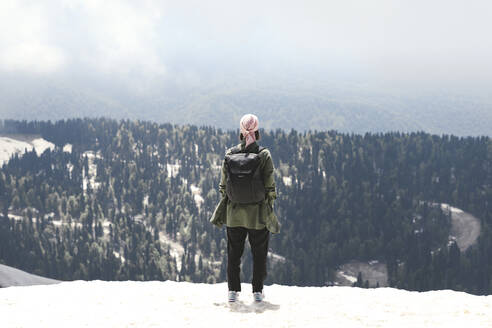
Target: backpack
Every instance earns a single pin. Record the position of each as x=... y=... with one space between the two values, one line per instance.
x=244 y=179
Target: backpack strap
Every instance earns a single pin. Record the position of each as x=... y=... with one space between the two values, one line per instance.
x=234 y=150
x=237 y=150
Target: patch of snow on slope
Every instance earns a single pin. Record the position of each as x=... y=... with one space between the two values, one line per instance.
x=287 y=181
x=176 y=250
x=60 y=223
x=90 y=177
x=40 y=145
x=16 y=217
x=10 y=146
x=67 y=148
x=119 y=256
x=172 y=170
x=449 y=208
x=350 y=278
x=70 y=169
x=374 y=271
x=105 y=225
x=14 y=277
x=275 y=257
x=196 y=192
x=181 y=304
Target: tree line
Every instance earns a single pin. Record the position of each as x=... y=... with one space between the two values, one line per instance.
x=119 y=211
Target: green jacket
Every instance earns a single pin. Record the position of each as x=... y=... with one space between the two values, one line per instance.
x=251 y=216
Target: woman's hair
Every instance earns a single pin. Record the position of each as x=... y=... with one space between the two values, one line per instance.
x=257 y=135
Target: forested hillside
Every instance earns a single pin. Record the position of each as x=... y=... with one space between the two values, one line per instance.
x=132 y=200
x=344 y=106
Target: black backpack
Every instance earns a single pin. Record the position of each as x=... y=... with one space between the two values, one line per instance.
x=244 y=179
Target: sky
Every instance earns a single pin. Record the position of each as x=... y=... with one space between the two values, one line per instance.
x=415 y=42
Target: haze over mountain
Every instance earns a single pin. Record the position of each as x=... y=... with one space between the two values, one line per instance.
x=351 y=66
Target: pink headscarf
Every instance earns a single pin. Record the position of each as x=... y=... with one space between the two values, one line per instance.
x=248 y=125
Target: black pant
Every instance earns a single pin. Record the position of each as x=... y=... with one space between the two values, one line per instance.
x=258 y=240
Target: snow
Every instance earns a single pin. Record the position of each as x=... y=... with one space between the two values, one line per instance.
x=67 y=148
x=275 y=257
x=287 y=181
x=350 y=278
x=70 y=168
x=374 y=271
x=119 y=256
x=105 y=225
x=176 y=250
x=59 y=223
x=182 y=304
x=172 y=170
x=16 y=217
x=90 y=177
x=10 y=146
x=14 y=277
x=449 y=208
x=49 y=215
x=196 y=192
x=40 y=145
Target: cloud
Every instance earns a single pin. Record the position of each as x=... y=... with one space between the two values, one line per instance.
x=107 y=37
x=146 y=40
x=121 y=36
x=32 y=57
x=24 y=46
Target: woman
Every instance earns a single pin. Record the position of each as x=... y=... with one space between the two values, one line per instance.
x=248 y=190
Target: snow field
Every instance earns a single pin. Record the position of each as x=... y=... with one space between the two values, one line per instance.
x=10 y=146
x=40 y=145
x=180 y=304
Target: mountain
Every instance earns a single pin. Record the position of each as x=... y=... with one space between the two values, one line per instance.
x=14 y=277
x=302 y=104
x=173 y=304
x=120 y=200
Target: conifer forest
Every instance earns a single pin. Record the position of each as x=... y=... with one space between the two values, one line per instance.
x=131 y=200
